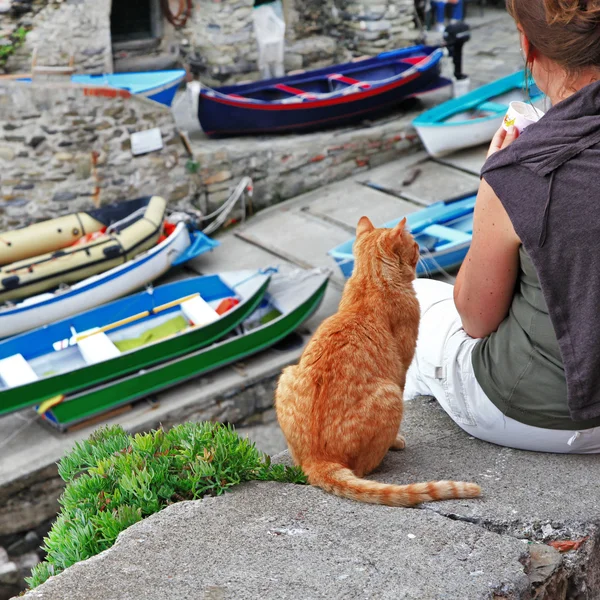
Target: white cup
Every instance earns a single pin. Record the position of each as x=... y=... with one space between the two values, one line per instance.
x=521 y=115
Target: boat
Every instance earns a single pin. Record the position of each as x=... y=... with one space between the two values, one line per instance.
x=474 y=118
x=159 y=86
x=124 y=336
x=290 y=300
x=68 y=249
x=183 y=244
x=311 y=100
x=442 y=230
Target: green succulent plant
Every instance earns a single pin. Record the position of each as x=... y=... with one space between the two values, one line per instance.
x=114 y=479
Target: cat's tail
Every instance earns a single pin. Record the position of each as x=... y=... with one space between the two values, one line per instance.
x=341 y=481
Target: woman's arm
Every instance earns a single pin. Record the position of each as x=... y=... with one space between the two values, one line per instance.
x=485 y=283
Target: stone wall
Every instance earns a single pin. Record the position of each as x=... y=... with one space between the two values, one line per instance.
x=223 y=49
x=373 y=26
x=61 y=28
x=65 y=148
x=283 y=167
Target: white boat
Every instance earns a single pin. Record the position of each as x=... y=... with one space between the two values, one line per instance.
x=96 y=290
x=474 y=118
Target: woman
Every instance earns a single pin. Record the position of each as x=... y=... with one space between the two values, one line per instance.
x=512 y=352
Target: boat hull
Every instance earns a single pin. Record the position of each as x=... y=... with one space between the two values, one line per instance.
x=160 y=86
x=99 y=289
x=474 y=118
x=255 y=285
x=126 y=390
x=232 y=111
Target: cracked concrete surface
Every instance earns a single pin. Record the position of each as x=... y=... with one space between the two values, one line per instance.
x=267 y=540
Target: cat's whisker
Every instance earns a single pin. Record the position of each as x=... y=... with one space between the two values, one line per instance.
x=438 y=267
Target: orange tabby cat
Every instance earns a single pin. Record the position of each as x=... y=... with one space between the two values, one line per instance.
x=340 y=408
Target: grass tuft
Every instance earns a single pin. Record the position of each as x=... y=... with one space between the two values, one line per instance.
x=114 y=480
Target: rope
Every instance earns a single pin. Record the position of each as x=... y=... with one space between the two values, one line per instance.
x=223 y=212
x=179 y=18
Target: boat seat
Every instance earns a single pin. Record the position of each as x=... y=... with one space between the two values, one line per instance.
x=349 y=80
x=15 y=371
x=288 y=89
x=198 y=312
x=447 y=233
x=97 y=348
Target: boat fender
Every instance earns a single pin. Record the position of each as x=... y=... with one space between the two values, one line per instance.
x=112 y=251
x=9 y=283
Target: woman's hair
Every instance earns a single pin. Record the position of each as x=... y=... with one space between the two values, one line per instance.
x=565 y=31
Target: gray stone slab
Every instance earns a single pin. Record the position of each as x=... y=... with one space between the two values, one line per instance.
x=421 y=180
x=344 y=204
x=296 y=237
x=232 y=254
x=470 y=159
x=521 y=491
x=274 y=541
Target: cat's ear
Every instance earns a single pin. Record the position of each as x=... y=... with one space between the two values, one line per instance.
x=400 y=227
x=364 y=226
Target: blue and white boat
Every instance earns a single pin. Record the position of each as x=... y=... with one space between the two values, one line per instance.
x=159 y=86
x=474 y=118
x=442 y=230
x=182 y=245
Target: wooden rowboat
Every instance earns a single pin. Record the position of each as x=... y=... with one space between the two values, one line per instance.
x=125 y=336
x=474 y=118
x=312 y=100
x=442 y=230
x=290 y=300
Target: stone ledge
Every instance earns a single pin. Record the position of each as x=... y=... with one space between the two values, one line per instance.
x=284 y=541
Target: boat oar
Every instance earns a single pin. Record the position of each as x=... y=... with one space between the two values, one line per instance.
x=136 y=317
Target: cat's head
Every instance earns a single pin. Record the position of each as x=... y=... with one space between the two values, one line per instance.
x=394 y=247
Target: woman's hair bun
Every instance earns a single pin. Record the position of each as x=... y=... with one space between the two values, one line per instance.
x=583 y=13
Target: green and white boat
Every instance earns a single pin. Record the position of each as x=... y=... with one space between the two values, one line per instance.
x=291 y=299
x=120 y=338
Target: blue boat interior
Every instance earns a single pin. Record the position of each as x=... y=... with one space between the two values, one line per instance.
x=333 y=79
x=52 y=350
x=437 y=229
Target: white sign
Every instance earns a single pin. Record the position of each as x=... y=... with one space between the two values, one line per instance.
x=143 y=142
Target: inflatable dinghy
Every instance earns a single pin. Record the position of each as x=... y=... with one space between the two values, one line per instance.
x=68 y=249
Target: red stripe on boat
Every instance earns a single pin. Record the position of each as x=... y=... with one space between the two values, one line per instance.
x=282 y=87
x=414 y=60
x=317 y=104
x=338 y=77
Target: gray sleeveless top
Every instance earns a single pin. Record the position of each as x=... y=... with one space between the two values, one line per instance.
x=519 y=367
x=548 y=181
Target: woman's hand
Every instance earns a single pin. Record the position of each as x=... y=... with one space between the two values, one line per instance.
x=502 y=139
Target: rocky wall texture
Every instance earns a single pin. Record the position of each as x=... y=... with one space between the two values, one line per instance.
x=61 y=28
x=286 y=166
x=65 y=148
x=373 y=26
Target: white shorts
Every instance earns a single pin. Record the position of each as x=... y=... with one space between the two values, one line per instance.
x=442 y=368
